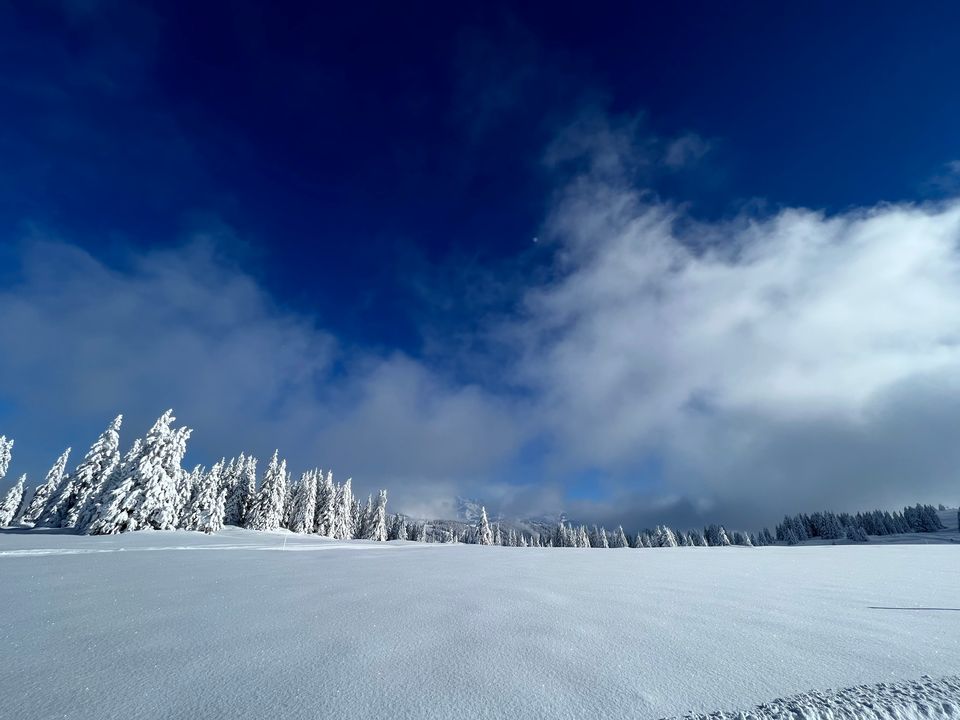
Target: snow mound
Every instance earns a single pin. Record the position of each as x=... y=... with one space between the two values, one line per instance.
x=921 y=699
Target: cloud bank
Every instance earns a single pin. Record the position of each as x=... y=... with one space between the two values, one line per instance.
x=684 y=371
x=797 y=360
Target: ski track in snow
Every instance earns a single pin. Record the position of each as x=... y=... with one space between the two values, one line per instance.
x=923 y=699
x=140 y=626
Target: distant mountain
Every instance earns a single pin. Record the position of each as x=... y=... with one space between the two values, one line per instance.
x=468 y=509
x=468 y=512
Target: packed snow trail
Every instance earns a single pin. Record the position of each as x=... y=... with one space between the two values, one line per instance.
x=406 y=630
x=924 y=699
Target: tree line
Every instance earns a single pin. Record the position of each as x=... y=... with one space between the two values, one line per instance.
x=147 y=488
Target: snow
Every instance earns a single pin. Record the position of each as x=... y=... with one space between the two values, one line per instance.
x=913 y=700
x=242 y=624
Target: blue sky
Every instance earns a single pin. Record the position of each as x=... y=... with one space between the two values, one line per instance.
x=324 y=220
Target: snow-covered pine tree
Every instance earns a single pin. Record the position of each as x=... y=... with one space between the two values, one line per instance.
x=343 y=512
x=6 y=450
x=356 y=518
x=12 y=502
x=855 y=533
x=398 y=528
x=366 y=515
x=45 y=493
x=325 y=515
x=235 y=491
x=293 y=488
x=377 y=519
x=663 y=537
x=417 y=532
x=207 y=507
x=484 y=534
x=304 y=503
x=620 y=538
x=76 y=499
x=145 y=493
x=97 y=503
x=249 y=481
x=188 y=485
x=267 y=511
x=716 y=536
x=599 y=538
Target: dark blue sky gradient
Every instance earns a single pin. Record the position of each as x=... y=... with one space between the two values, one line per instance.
x=354 y=150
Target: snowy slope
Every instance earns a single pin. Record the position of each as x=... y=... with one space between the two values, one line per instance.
x=911 y=700
x=178 y=624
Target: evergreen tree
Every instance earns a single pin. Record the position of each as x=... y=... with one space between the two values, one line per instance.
x=855 y=533
x=716 y=536
x=145 y=494
x=484 y=535
x=267 y=511
x=663 y=537
x=248 y=479
x=325 y=515
x=188 y=485
x=236 y=489
x=398 y=528
x=377 y=520
x=366 y=517
x=12 y=502
x=343 y=512
x=6 y=450
x=77 y=498
x=207 y=507
x=304 y=504
x=417 y=532
x=356 y=518
x=45 y=493
x=620 y=538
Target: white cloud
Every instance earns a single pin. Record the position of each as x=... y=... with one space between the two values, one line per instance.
x=761 y=361
x=725 y=371
x=184 y=328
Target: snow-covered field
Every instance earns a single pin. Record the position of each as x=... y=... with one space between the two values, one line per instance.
x=252 y=625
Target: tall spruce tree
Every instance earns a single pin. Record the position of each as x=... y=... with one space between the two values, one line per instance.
x=326 y=502
x=304 y=504
x=235 y=490
x=145 y=492
x=188 y=485
x=12 y=502
x=377 y=521
x=398 y=528
x=267 y=513
x=484 y=534
x=76 y=500
x=6 y=451
x=343 y=526
x=206 y=510
x=45 y=493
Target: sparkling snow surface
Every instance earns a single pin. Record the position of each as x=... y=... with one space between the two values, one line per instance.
x=255 y=625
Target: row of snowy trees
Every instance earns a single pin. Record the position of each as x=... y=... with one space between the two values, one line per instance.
x=147 y=488
x=567 y=535
x=832 y=526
